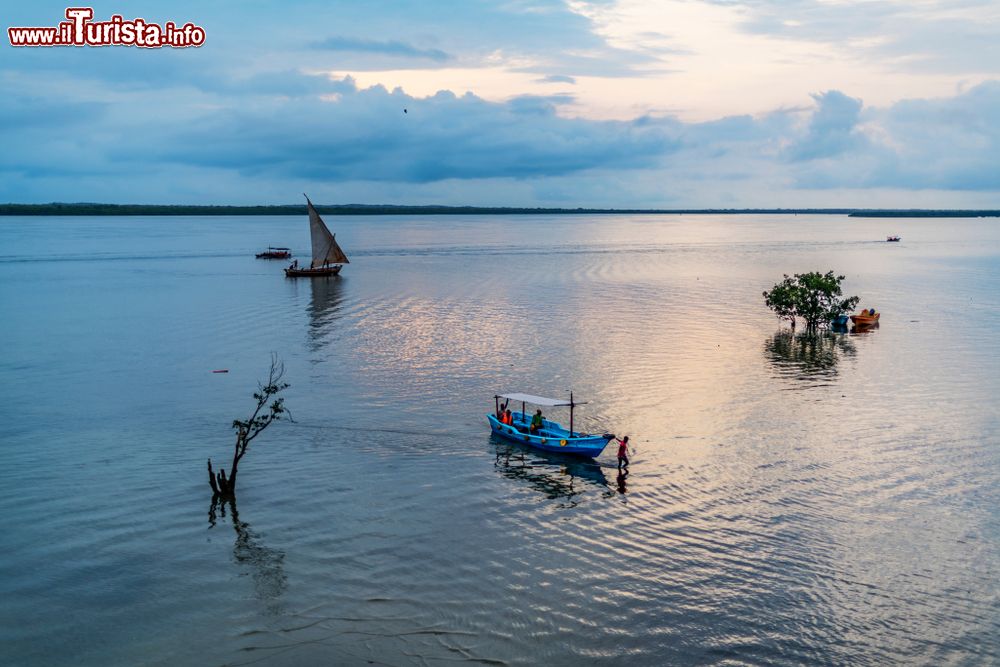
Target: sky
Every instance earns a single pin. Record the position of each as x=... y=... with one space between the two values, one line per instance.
x=604 y=103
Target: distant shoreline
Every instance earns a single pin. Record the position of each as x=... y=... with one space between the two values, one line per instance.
x=83 y=209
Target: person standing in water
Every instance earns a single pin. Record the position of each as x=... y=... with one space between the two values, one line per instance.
x=622 y=452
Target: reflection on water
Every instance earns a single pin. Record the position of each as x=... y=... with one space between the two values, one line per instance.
x=853 y=523
x=264 y=564
x=807 y=356
x=556 y=476
x=620 y=481
x=324 y=307
x=864 y=328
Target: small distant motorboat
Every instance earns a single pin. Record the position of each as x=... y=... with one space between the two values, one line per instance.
x=866 y=318
x=275 y=253
x=327 y=257
x=552 y=436
x=891 y=239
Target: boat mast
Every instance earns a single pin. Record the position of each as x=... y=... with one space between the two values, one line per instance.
x=571 y=413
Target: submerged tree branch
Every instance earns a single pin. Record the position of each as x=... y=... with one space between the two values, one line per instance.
x=269 y=409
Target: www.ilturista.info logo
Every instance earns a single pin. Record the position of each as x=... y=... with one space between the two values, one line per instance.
x=79 y=30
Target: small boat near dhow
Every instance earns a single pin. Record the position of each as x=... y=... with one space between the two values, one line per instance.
x=891 y=239
x=327 y=257
x=866 y=318
x=551 y=436
x=275 y=253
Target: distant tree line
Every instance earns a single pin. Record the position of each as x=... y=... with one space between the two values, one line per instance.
x=391 y=209
x=924 y=214
x=369 y=209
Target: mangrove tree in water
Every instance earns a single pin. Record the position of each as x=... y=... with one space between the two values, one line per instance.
x=814 y=296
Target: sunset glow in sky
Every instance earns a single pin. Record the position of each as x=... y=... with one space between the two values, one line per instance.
x=617 y=103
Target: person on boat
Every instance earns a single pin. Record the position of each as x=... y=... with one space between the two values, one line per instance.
x=536 y=421
x=501 y=412
x=294 y=265
x=622 y=452
x=508 y=418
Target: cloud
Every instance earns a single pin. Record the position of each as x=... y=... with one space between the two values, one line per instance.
x=391 y=47
x=22 y=113
x=539 y=104
x=831 y=129
x=251 y=136
x=556 y=78
x=365 y=135
x=953 y=36
x=945 y=144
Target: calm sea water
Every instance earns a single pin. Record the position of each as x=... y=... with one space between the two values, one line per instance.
x=830 y=501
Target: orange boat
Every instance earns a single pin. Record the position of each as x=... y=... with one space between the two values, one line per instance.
x=866 y=318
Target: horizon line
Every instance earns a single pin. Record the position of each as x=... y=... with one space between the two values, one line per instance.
x=98 y=208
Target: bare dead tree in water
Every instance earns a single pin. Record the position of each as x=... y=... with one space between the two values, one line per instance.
x=270 y=408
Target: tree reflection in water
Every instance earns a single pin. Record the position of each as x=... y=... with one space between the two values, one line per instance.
x=807 y=356
x=559 y=477
x=264 y=564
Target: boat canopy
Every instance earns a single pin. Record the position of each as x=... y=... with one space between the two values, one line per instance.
x=539 y=400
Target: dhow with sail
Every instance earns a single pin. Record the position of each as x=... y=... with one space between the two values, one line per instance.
x=327 y=257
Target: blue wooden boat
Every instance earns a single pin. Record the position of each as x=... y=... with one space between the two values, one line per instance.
x=552 y=437
x=840 y=321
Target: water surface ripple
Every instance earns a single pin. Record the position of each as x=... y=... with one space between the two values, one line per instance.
x=791 y=501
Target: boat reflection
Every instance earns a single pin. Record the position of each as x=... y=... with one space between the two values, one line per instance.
x=557 y=476
x=807 y=356
x=264 y=564
x=324 y=308
x=864 y=328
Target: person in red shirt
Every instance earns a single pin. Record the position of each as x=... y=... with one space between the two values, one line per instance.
x=622 y=452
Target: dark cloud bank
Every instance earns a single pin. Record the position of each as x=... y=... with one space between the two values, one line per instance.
x=290 y=127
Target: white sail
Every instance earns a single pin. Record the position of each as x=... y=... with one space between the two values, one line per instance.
x=324 y=246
